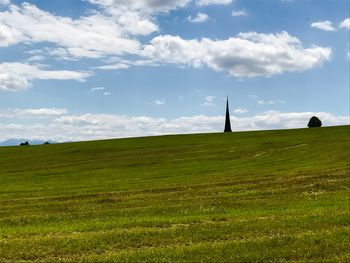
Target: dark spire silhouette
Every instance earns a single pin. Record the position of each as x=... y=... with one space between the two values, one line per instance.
x=227 y=120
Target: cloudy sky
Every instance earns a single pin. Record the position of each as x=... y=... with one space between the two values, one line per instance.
x=91 y=69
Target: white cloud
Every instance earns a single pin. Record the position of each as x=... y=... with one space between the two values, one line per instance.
x=209 y=101
x=247 y=55
x=199 y=18
x=348 y=55
x=149 y=6
x=63 y=54
x=116 y=66
x=270 y=102
x=97 y=89
x=9 y=35
x=101 y=89
x=345 y=23
x=111 y=32
x=136 y=24
x=32 y=113
x=5 y=2
x=67 y=127
x=36 y=58
x=239 y=13
x=42 y=112
x=213 y=2
x=240 y=110
x=136 y=17
x=18 y=76
x=159 y=102
x=323 y=25
x=90 y=36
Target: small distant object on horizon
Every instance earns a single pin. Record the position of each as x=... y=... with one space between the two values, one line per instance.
x=26 y=143
x=47 y=142
x=17 y=142
x=314 y=122
x=227 y=119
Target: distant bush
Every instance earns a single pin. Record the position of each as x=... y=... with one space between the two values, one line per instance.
x=314 y=122
x=46 y=142
x=26 y=143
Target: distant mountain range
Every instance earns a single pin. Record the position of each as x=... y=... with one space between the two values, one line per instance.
x=15 y=142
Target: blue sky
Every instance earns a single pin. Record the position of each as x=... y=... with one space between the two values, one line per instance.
x=92 y=69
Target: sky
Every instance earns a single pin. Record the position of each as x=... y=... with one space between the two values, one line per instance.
x=75 y=70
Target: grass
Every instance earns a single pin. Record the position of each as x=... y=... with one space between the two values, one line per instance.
x=240 y=197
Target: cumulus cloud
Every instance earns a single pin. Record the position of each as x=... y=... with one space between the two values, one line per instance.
x=199 y=18
x=5 y=2
x=213 y=2
x=42 y=112
x=32 y=113
x=345 y=23
x=159 y=102
x=119 y=64
x=150 y=6
x=239 y=13
x=91 y=36
x=18 y=76
x=136 y=24
x=101 y=89
x=246 y=55
x=9 y=36
x=240 y=110
x=209 y=101
x=323 y=25
x=270 y=102
x=112 y=32
x=115 y=66
x=68 y=127
x=97 y=89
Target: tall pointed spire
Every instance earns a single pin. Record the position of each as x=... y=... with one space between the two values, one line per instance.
x=227 y=120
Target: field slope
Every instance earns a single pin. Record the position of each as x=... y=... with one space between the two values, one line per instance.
x=250 y=196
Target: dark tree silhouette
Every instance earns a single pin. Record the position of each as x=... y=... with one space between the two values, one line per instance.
x=314 y=122
x=24 y=143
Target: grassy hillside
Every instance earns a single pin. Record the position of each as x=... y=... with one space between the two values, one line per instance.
x=252 y=196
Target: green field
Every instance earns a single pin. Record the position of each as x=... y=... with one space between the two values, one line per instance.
x=240 y=197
